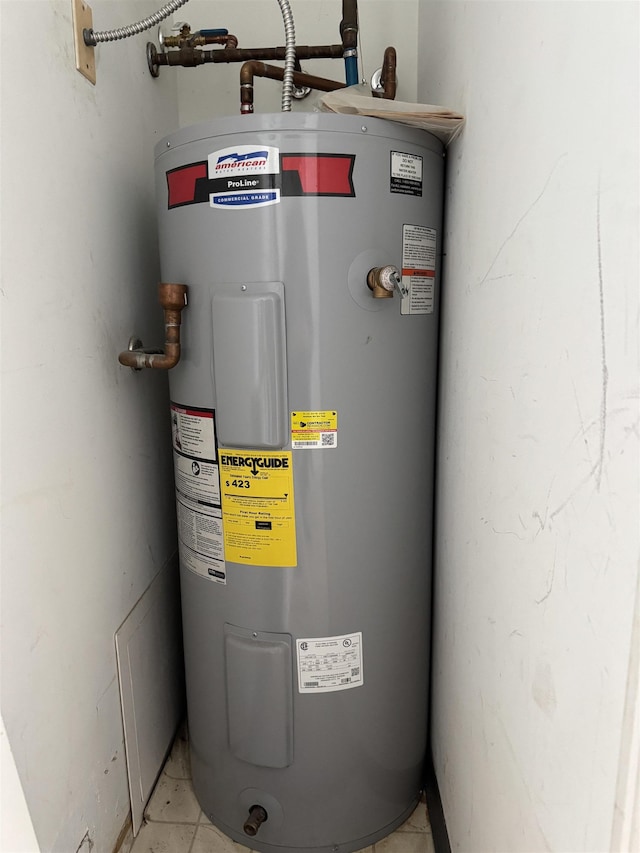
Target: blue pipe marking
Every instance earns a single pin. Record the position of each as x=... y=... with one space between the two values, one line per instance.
x=351 y=70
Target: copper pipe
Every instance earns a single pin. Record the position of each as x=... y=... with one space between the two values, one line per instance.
x=388 y=79
x=349 y=25
x=273 y=72
x=229 y=41
x=172 y=298
x=189 y=57
x=190 y=39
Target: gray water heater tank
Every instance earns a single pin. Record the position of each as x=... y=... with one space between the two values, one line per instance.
x=303 y=434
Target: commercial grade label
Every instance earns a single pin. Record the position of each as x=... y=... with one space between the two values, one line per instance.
x=244 y=176
x=314 y=430
x=327 y=664
x=258 y=508
x=418 y=269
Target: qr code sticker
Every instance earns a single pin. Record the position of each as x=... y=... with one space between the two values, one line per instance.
x=328 y=439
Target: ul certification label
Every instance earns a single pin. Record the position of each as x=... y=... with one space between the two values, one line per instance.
x=244 y=176
x=327 y=664
x=406 y=173
x=258 y=508
x=418 y=269
x=314 y=429
x=197 y=479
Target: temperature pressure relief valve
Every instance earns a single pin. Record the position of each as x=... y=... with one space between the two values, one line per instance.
x=382 y=281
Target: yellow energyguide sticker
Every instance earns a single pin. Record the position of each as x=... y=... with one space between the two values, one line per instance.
x=258 y=510
x=314 y=429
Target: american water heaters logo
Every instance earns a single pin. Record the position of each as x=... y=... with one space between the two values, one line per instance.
x=244 y=176
x=253 y=160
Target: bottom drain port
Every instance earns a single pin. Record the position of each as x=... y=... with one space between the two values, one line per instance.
x=257 y=816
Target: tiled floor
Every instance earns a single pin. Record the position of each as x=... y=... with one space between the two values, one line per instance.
x=175 y=823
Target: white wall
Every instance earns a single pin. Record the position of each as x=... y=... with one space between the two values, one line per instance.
x=214 y=90
x=16 y=829
x=87 y=498
x=538 y=493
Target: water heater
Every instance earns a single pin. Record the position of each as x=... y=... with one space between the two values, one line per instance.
x=302 y=414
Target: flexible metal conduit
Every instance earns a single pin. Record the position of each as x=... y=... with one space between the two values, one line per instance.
x=289 y=55
x=91 y=38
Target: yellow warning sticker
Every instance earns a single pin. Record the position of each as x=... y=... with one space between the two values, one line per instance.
x=314 y=429
x=258 y=511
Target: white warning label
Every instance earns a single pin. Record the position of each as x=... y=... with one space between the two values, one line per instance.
x=406 y=173
x=200 y=540
x=197 y=476
x=327 y=664
x=195 y=462
x=418 y=269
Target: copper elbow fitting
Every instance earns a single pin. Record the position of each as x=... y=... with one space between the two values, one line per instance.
x=172 y=298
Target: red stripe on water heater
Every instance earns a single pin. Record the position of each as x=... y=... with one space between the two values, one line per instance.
x=181 y=183
x=322 y=174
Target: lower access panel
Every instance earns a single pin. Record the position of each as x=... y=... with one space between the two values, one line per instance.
x=259 y=698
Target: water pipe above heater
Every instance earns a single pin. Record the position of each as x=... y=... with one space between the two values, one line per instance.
x=187 y=49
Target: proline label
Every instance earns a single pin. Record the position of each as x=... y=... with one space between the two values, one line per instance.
x=244 y=176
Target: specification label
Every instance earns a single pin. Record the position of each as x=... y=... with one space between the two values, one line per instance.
x=197 y=476
x=327 y=664
x=418 y=269
x=258 y=507
x=314 y=430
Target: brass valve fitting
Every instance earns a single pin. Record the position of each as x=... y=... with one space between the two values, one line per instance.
x=382 y=281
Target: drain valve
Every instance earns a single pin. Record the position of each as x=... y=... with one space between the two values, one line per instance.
x=257 y=816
